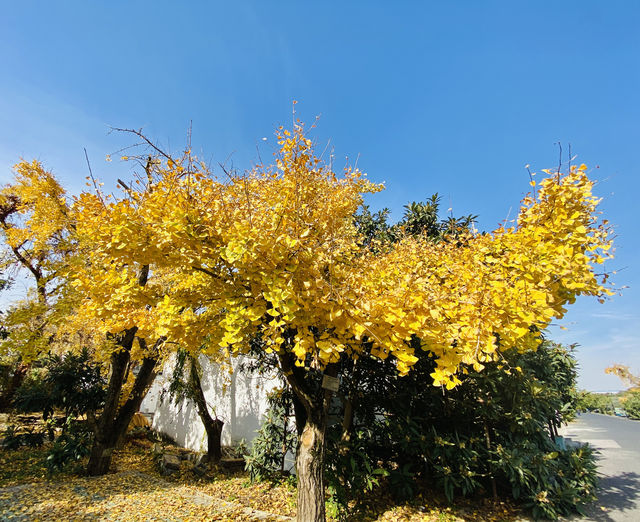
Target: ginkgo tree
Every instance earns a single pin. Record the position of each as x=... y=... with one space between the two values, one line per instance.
x=272 y=259
x=274 y=255
x=117 y=292
x=65 y=244
x=34 y=224
x=132 y=287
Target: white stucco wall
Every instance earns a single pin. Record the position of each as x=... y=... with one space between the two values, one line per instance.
x=241 y=405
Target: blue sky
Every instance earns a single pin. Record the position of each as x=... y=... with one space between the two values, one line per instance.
x=454 y=98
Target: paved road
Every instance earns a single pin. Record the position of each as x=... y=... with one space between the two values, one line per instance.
x=618 y=441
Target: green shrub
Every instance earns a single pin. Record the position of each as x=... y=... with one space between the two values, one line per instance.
x=12 y=439
x=632 y=404
x=495 y=430
x=34 y=394
x=71 y=383
x=276 y=437
x=351 y=469
x=71 y=446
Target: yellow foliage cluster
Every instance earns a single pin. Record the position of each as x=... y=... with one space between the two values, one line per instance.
x=40 y=204
x=467 y=298
x=34 y=222
x=275 y=252
x=624 y=373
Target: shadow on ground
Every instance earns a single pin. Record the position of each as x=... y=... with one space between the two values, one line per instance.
x=617 y=493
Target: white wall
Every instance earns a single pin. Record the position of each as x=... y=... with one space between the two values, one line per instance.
x=241 y=405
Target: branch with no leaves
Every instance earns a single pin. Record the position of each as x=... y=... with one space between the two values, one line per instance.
x=145 y=139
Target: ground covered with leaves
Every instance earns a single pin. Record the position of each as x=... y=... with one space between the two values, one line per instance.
x=136 y=490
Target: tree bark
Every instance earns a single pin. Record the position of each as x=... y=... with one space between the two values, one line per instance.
x=212 y=426
x=309 y=465
x=105 y=437
x=300 y=414
x=6 y=400
x=113 y=421
x=347 y=419
x=311 y=447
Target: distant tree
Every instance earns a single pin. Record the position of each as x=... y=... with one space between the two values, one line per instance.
x=631 y=403
x=186 y=383
x=34 y=225
x=631 y=399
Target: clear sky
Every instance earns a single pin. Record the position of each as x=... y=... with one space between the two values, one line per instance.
x=447 y=97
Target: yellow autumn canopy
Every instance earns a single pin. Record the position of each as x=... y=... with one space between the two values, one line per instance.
x=34 y=224
x=275 y=253
x=467 y=298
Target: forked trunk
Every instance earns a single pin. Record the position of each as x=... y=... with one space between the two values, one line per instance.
x=101 y=453
x=114 y=420
x=212 y=426
x=104 y=439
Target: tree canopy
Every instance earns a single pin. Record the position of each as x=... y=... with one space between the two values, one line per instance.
x=276 y=259
x=275 y=252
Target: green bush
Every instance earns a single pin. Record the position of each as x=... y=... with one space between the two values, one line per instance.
x=351 y=469
x=13 y=439
x=71 y=383
x=276 y=437
x=71 y=446
x=632 y=405
x=551 y=484
x=34 y=394
x=496 y=430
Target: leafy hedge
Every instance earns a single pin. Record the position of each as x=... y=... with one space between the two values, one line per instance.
x=493 y=435
x=632 y=405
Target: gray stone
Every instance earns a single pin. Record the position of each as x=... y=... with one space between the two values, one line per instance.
x=200 y=470
x=233 y=464
x=170 y=461
x=201 y=459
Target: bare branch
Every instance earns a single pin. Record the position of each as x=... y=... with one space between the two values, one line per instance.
x=93 y=179
x=123 y=184
x=205 y=271
x=145 y=139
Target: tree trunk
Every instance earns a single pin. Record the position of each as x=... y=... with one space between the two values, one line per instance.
x=6 y=400
x=214 y=441
x=105 y=438
x=300 y=414
x=347 y=420
x=309 y=466
x=114 y=421
x=494 y=486
x=212 y=426
x=101 y=453
x=350 y=403
x=311 y=447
